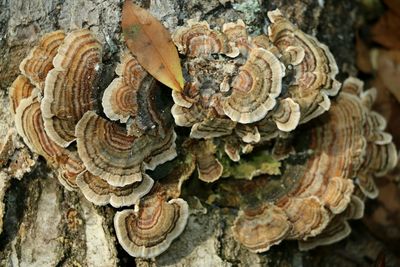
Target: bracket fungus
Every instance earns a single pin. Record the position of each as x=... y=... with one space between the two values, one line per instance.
x=268 y=83
x=260 y=228
x=107 y=163
x=243 y=101
x=40 y=59
x=119 y=99
x=100 y=192
x=107 y=151
x=317 y=193
x=70 y=86
x=21 y=88
x=149 y=231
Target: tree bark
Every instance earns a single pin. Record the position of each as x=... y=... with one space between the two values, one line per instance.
x=45 y=225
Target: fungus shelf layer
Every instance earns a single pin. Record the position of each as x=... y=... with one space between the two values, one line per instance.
x=242 y=105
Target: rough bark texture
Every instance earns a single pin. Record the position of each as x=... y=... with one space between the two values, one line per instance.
x=45 y=225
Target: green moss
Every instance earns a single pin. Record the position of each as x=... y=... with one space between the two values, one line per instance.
x=251 y=9
x=256 y=164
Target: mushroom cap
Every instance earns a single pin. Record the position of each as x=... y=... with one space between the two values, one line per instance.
x=232 y=149
x=70 y=87
x=149 y=231
x=337 y=230
x=236 y=34
x=40 y=59
x=119 y=99
x=255 y=88
x=30 y=126
x=260 y=228
x=198 y=40
x=212 y=127
x=355 y=209
x=99 y=192
x=313 y=65
x=69 y=167
x=339 y=152
x=108 y=152
x=337 y=195
x=307 y=216
x=293 y=55
x=248 y=133
x=187 y=117
x=287 y=115
x=208 y=166
x=21 y=88
x=161 y=149
x=367 y=185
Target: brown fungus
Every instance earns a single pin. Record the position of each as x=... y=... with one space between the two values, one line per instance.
x=212 y=127
x=199 y=40
x=70 y=87
x=30 y=126
x=40 y=59
x=21 y=88
x=255 y=88
x=270 y=83
x=208 y=167
x=319 y=195
x=336 y=230
x=119 y=99
x=287 y=115
x=236 y=34
x=108 y=152
x=108 y=166
x=244 y=95
x=149 y=231
x=314 y=75
x=259 y=229
x=307 y=216
x=99 y=192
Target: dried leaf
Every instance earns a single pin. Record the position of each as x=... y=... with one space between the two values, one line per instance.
x=393 y=5
x=362 y=55
x=152 y=45
x=383 y=218
x=387 y=65
x=385 y=32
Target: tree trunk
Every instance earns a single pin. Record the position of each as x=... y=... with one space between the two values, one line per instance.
x=45 y=225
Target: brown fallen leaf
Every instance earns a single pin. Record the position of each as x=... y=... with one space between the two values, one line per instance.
x=383 y=215
x=393 y=5
x=152 y=45
x=388 y=106
x=386 y=64
x=386 y=31
x=363 y=61
x=380 y=260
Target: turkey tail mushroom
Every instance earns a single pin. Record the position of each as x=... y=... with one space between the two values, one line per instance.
x=150 y=230
x=70 y=87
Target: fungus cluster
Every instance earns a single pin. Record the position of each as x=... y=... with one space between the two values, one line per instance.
x=319 y=194
x=244 y=99
x=55 y=104
x=281 y=79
